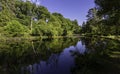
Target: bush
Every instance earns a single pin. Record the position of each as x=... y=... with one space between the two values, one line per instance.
x=14 y=28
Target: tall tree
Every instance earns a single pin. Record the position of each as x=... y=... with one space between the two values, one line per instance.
x=110 y=11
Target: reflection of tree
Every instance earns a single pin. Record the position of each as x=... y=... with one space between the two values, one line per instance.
x=42 y=65
x=98 y=57
x=16 y=54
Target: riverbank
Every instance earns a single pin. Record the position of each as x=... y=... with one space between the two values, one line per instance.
x=43 y=37
x=112 y=37
x=115 y=37
x=33 y=38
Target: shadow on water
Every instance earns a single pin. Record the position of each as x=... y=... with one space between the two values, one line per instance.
x=102 y=56
x=60 y=56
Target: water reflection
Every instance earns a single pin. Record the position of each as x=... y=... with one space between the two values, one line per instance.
x=21 y=57
x=60 y=56
x=100 y=57
x=80 y=48
x=57 y=63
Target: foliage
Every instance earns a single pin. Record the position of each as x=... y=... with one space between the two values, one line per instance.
x=103 y=19
x=35 y=18
x=14 y=28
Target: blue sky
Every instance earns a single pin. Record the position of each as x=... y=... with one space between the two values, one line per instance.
x=73 y=9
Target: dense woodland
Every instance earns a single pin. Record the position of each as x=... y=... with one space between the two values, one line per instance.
x=24 y=17
x=103 y=19
x=27 y=18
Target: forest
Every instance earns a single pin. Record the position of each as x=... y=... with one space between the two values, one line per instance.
x=25 y=18
x=103 y=19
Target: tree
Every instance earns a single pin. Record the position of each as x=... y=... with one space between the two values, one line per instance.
x=92 y=24
x=36 y=18
x=110 y=10
x=14 y=28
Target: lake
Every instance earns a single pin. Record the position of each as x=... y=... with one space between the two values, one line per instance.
x=60 y=56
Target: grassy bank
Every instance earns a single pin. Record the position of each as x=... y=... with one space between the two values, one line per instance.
x=115 y=37
x=112 y=37
x=32 y=38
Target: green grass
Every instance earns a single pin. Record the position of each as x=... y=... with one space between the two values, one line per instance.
x=112 y=37
x=115 y=54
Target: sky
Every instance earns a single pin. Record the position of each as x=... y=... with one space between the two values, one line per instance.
x=72 y=9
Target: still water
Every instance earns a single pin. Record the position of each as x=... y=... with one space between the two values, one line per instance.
x=60 y=56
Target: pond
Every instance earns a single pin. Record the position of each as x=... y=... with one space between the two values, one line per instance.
x=60 y=56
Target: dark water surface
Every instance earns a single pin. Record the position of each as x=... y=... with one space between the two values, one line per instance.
x=60 y=56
